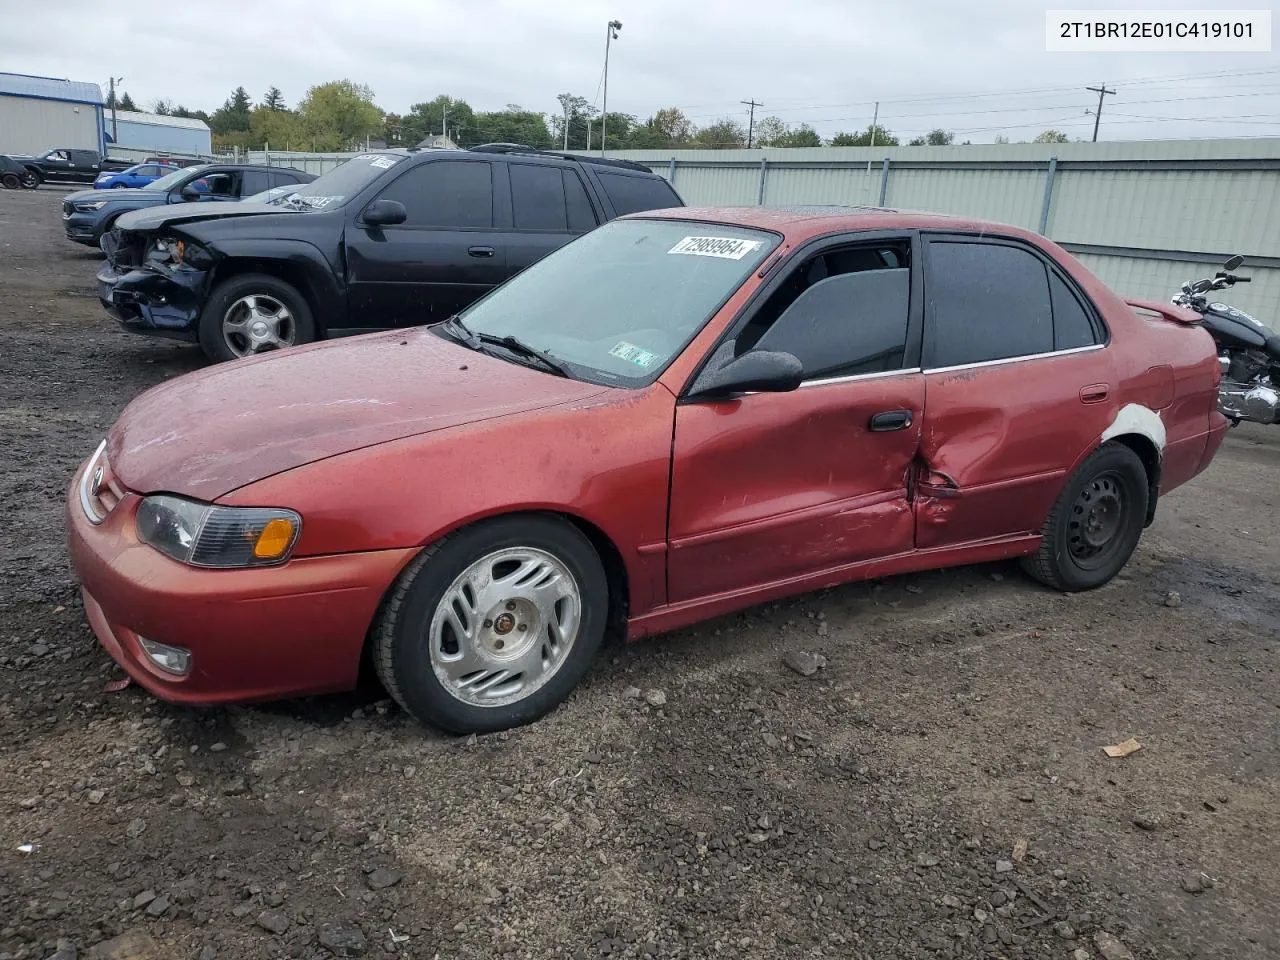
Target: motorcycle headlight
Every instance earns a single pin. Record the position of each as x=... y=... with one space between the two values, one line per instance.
x=89 y=206
x=205 y=535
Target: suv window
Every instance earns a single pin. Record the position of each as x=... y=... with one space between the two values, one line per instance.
x=985 y=301
x=631 y=194
x=581 y=216
x=217 y=184
x=254 y=181
x=446 y=193
x=84 y=158
x=537 y=197
x=842 y=312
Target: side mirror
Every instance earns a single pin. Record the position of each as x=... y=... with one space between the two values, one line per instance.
x=1233 y=263
x=763 y=371
x=384 y=213
x=189 y=192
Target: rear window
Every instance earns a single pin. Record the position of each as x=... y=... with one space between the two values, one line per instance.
x=631 y=194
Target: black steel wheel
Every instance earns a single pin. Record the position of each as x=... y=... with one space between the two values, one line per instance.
x=10 y=181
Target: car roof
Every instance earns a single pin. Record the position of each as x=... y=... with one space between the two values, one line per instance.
x=799 y=223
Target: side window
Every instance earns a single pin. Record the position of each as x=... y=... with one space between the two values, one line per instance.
x=631 y=193
x=842 y=313
x=254 y=181
x=1071 y=324
x=581 y=216
x=151 y=171
x=221 y=184
x=59 y=155
x=446 y=193
x=984 y=301
x=537 y=197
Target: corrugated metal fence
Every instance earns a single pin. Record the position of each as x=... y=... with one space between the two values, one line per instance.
x=1144 y=216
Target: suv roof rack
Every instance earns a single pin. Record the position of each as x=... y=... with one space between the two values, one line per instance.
x=525 y=148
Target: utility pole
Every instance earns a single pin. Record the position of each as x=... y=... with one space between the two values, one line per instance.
x=875 y=120
x=751 y=122
x=112 y=81
x=611 y=33
x=1101 y=91
x=566 y=126
x=444 y=120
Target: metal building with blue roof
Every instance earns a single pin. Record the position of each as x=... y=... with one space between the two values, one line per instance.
x=41 y=113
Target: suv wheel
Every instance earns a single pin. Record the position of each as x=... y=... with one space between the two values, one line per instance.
x=11 y=181
x=253 y=313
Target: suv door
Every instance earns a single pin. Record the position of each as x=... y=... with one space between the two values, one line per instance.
x=768 y=487
x=549 y=207
x=1017 y=386
x=442 y=258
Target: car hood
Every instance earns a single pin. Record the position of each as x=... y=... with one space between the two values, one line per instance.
x=207 y=433
x=196 y=212
x=124 y=196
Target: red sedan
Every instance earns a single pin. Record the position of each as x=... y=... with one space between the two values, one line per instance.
x=676 y=416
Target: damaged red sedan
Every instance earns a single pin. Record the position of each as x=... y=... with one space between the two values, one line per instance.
x=676 y=416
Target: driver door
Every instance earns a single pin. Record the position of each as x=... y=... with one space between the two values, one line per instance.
x=770 y=487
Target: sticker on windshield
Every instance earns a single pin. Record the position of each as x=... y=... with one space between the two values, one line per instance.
x=633 y=354
x=726 y=248
x=380 y=160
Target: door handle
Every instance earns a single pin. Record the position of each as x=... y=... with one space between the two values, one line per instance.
x=890 y=420
x=1094 y=393
x=480 y=251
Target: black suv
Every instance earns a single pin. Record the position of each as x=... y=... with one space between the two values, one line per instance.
x=88 y=214
x=391 y=238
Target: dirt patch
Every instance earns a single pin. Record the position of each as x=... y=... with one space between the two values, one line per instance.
x=937 y=789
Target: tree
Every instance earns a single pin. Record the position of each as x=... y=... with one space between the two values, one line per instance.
x=1000 y=138
x=392 y=128
x=802 y=136
x=724 y=134
x=274 y=100
x=580 y=113
x=512 y=125
x=279 y=129
x=769 y=132
x=619 y=131
x=339 y=115
x=424 y=119
x=1051 y=136
x=233 y=115
x=883 y=138
x=126 y=103
x=162 y=107
x=934 y=138
x=671 y=126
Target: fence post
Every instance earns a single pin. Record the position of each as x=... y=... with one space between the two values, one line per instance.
x=671 y=171
x=884 y=181
x=764 y=165
x=1048 y=194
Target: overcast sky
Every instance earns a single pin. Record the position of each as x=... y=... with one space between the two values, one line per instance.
x=817 y=61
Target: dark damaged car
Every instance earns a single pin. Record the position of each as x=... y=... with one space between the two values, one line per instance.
x=389 y=239
x=88 y=214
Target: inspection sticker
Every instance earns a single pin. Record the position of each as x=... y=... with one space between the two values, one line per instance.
x=726 y=248
x=633 y=354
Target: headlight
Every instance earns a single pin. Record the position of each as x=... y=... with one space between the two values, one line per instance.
x=205 y=535
x=89 y=206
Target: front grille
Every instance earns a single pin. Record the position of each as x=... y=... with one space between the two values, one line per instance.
x=100 y=491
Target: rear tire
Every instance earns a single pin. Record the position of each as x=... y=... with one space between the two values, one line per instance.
x=11 y=181
x=531 y=582
x=1095 y=524
x=237 y=304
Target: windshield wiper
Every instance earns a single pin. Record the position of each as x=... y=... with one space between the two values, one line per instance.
x=460 y=331
x=522 y=349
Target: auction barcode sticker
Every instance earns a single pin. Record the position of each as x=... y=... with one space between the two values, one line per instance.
x=1158 y=31
x=726 y=248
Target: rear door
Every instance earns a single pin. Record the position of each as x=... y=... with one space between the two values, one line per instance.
x=549 y=207
x=770 y=487
x=443 y=257
x=1017 y=388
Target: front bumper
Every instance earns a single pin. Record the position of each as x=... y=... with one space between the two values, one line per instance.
x=148 y=302
x=83 y=228
x=264 y=634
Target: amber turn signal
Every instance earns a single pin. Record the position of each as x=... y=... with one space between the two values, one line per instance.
x=274 y=539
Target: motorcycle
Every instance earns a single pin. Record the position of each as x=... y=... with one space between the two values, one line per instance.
x=1248 y=351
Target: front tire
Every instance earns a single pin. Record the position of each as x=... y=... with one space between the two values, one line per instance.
x=119 y=186
x=253 y=313
x=493 y=626
x=31 y=180
x=1095 y=524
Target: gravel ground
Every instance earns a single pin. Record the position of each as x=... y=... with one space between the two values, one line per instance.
x=938 y=789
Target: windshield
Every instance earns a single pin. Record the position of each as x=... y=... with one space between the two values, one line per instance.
x=343 y=182
x=170 y=180
x=621 y=302
x=272 y=195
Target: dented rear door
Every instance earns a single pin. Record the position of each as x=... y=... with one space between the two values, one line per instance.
x=1018 y=387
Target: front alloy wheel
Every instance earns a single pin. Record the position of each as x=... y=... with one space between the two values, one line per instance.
x=494 y=625
x=257 y=323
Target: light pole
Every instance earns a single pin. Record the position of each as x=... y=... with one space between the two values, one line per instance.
x=113 y=81
x=611 y=33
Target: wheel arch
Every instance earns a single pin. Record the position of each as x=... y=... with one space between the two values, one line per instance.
x=290 y=273
x=297 y=263
x=1147 y=452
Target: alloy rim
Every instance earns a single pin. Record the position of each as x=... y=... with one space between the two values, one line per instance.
x=505 y=627
x=257 y=323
